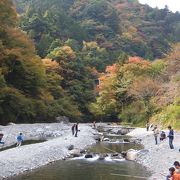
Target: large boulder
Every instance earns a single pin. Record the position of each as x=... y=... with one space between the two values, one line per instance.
x=131 y=154
x=124 y=131
x=75 y=153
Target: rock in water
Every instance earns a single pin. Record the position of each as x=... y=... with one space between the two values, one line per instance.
x=88 y=156
x=124 y=131
x=102 y=156
x=75 y=153
x=97 y=138
x=124 y=153
x=114 y=154
x=131 y=154
x=126 y=140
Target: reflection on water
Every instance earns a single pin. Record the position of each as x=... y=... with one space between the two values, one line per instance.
x=86 y=170
x=115 y=145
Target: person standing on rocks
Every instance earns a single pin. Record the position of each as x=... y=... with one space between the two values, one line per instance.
x=177 y=166
x=73 y=129
x=171 y=173
x=19 y=139
x=174 y=173
x=171 y=137
x=94 y=124
x=76 y=129
x=156 y=133
x=147 y=126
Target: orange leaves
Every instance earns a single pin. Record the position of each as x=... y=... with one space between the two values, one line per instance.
x=111 y=69
x=136 y=65
x=138 y=60
x=68 y=52
x=51 y=65
x=106 y=79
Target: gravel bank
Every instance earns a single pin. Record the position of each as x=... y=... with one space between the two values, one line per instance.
x=17 y=160
x=159 y=157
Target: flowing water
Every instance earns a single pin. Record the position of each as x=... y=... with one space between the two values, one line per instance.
x=92 y=169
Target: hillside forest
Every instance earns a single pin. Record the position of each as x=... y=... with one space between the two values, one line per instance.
x=103 y=60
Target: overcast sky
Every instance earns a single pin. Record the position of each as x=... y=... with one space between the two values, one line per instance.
x=173 y=5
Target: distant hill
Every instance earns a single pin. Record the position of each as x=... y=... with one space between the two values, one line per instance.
x=117 y=25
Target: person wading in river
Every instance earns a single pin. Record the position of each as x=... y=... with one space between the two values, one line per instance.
x=156 y=133
x=171 y=137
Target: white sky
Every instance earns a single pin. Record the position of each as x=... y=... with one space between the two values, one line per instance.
x=173 y=5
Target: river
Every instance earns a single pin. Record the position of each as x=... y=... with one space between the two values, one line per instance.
x=92 y=169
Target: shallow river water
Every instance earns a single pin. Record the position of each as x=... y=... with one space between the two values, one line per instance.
x=91 y=169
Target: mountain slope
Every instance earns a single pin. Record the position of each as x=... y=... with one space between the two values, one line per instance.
x=118 y=25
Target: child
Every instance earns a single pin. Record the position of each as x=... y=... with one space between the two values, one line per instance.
x=162 y=136
x=171 y=172
x=1 y=136
x=19 y=139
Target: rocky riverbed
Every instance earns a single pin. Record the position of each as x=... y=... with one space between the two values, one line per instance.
x=157 y=158
x=58 y=135
x=59 y=141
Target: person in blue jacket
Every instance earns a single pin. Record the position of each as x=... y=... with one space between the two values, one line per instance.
x=171 y=137
x=1 y=136
x=19 y=139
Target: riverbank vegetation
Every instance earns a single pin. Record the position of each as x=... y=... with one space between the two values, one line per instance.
x=138 y=90
x=54 y=54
